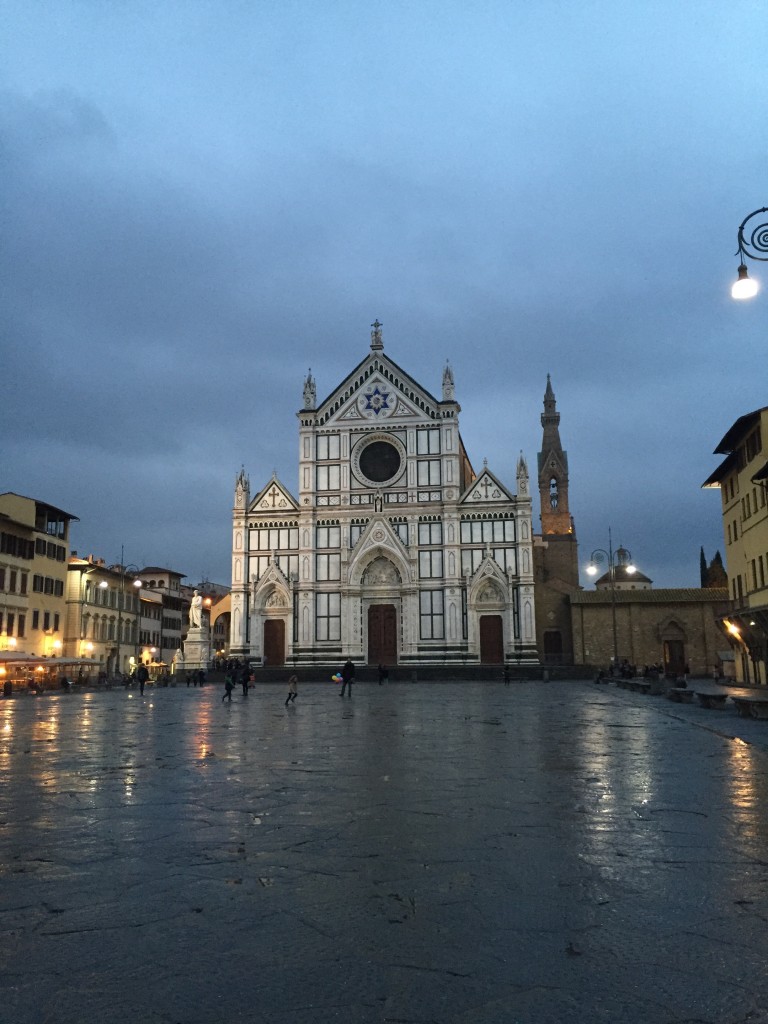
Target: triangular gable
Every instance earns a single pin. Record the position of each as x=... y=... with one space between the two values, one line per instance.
x=274 y=498
x=559 y=457
x=378 y=537
x=489 y=569
x=274 y=579
x=379 y=531
x=485 y=490
x=377 y=391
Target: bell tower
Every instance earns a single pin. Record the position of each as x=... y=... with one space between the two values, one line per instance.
x=553 y=472
x=555 y=552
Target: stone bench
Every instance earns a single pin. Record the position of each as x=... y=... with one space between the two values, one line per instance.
x=711 y=697
x=680 y=694
x=751 y=705
x=639 y=685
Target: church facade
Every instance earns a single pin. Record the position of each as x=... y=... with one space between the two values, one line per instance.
x=393 y=549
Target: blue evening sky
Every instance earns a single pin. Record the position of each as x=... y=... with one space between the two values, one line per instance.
x=202 y=200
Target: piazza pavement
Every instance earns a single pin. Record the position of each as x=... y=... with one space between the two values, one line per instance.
x=422 y=853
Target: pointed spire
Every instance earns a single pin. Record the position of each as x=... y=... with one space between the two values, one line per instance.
x=242 y=489
x=377 y=345
x=448 y=390
x=550 y=416
x=553 y=470
x=310 y=391
x=522 y=476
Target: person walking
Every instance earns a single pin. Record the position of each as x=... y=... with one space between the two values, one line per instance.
x=347 y=677
x=228 y=688
x=383 y=674
x=142 y=675
x=506 y=675
x=245 y=680
x=293 y=689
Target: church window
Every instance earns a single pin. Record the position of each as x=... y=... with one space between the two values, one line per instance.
x=258 y=566
x=328 y=536
x=428 y=442
x=328 y=478
x=470 y=560
x=288 y=564
x=428 y=472
x=328 y=567
x=328 y=446
x=506 y=558
x=430 y=565
x=380 y=461
x=328 y=617
x=275 y=538
x=430 y=533
x=355 y=531
x=431 y=617
x=485 y=531
x=400 y=526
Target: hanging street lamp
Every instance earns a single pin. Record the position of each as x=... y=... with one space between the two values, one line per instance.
x=751 y=243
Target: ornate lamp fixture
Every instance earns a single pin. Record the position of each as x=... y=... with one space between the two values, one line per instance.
x=757 y=242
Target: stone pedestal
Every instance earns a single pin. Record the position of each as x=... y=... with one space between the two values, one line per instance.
x=197 y=648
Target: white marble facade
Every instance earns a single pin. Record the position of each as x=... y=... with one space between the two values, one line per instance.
x=395 y=550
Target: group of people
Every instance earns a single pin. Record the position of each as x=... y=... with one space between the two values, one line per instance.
x=238 y=674
x=245 y=677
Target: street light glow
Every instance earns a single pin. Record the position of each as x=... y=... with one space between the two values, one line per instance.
x=744 y=287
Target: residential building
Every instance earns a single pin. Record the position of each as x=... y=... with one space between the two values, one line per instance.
x=34 y=549
x=102 y=614
x=742 y=478
x=164 y=614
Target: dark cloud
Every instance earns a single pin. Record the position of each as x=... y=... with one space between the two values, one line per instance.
x=199 y=203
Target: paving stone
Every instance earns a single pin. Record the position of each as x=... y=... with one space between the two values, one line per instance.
x=542 y=852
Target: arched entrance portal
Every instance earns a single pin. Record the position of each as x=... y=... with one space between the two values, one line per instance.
x=274 y=642
x=382 y=634
x=491 y=640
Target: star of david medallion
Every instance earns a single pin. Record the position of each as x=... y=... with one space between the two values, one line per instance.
x=375 y=402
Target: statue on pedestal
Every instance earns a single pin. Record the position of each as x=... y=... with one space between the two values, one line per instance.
x=196 y=611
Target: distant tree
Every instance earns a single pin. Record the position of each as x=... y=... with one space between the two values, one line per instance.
x=703 y=568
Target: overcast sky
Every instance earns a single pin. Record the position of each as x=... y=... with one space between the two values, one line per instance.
x=200 y=201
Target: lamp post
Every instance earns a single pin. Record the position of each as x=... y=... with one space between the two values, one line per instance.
x=750 y=244
x=598 y=556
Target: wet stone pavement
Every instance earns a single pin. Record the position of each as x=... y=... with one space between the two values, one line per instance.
x=448 y=853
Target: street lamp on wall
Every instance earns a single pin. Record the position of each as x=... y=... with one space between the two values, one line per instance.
x=751 y=243
x=600 y=556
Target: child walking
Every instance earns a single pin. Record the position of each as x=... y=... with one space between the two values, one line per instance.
x=293 y=689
